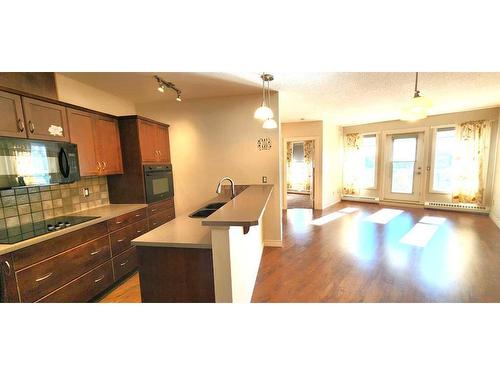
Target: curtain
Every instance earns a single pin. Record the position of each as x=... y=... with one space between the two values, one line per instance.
x=289 y=152
x=352 y=164
x=471 y=162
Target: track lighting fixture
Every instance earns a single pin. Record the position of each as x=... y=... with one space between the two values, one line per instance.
x=162 y=85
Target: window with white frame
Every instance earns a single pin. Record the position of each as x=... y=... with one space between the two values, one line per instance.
x=368 y=152
x=444 y=152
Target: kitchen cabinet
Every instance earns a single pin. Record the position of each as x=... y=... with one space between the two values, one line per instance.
x=98 y=140
x=81 y=131
x=44 y=120
x=11 y=116
x=107 y=145
x=8 y=284
x=154 y=142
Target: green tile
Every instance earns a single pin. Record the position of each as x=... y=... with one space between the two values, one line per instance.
x=25 y=219
x=12 y=222
x=6 y=193
x=9 y=201
x=20 y=191
x=45 y=188
x=34 y=189
x=35 y=197
x=10 y=211
x=22 y=199
x=37 y=216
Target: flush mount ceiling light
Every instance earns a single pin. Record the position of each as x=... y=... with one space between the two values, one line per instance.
x=264 y=112
x=162 y=85
x=418 y=106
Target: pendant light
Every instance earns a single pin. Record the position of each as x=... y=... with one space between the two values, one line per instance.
x=264 y=112
x=418 y=106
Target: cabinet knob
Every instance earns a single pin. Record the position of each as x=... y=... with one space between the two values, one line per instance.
x=20 y=125
x=31 y=126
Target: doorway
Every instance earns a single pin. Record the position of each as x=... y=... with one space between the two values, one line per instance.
x=300 y=174
x=404 y=167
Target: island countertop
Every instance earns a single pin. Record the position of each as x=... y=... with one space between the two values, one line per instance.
x=245 y=209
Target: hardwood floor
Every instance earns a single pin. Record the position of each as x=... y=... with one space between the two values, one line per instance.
x=341 y=255
x=295 y=200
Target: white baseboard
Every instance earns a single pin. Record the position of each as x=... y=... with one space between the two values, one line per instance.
x=331 y=204
x=495 y=219
x=273 y=243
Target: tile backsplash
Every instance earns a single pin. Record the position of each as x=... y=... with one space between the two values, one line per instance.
x=21 y=206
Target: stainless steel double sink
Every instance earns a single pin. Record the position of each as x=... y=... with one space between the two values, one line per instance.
x=207 y=210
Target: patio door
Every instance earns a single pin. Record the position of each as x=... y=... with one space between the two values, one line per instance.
x=403 y=165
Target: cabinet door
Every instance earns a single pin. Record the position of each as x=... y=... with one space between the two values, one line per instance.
x=162 y=144
x=147 y=135
x=107 y=141
x=45 y=121
x=11 y=116
x=81 y=132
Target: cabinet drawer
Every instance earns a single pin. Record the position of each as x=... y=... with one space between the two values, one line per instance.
x=85 y=287
x=125 y=263
x=161 y=218
x=120 y=240
x=43 y=250
x=40 y=279
x=156 y=208
x=126 y=219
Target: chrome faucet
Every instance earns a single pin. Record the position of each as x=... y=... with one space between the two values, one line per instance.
x=219 y=186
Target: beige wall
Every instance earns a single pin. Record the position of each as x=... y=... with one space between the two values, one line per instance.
x=332 y=163
x=78 y=93
x=426 y=125
x=305 y=130
x=215 y=137
x=495 y=208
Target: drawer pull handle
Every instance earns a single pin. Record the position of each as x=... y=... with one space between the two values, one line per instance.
x=153 y=209
x=122 y=239
x=95 y=252
x=154 y=224
x=118 y=222
x=137 y=215
x=139 y=231
x=99 y=279
x=122 y=264
x=44 y=277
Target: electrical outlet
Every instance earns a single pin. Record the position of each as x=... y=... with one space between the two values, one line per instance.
x=264 y=179
x=86 y=192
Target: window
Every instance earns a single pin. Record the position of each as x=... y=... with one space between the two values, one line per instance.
x=369 y=157
x=444 y=149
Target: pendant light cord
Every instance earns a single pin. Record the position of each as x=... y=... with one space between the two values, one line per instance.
x=416 y=85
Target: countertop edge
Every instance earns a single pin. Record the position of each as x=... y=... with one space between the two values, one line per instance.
x=10 y=248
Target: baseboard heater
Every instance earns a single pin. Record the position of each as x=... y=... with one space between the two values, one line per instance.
x=464 y=207
x=360 y=199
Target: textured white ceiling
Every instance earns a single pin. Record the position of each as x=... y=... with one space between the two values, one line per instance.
x=340 y=98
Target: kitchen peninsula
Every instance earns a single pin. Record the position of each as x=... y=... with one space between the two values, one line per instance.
x=211 y=259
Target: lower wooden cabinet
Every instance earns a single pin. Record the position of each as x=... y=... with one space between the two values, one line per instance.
x=84 y=288
x=125 y=263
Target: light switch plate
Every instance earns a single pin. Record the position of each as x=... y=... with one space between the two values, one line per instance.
x=264 y=179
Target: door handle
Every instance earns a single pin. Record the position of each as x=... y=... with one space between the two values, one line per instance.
x=31 y=126
x=20 y=125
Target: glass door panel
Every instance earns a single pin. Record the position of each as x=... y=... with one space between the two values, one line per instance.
x=403 y=164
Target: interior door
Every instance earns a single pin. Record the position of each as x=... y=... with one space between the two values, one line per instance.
x=404 y=167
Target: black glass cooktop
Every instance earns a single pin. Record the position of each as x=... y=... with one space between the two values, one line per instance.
x=26 y=231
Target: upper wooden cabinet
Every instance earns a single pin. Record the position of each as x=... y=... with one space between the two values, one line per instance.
x=107 y=144
x=98 y=141
x=154 y=142
x=11 y=116
x=81 y=130
x=45 y=120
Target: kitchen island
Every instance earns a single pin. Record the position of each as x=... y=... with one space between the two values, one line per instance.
x=212 y=259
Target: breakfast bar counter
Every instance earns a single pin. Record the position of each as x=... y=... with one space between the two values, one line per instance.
x=211 y=259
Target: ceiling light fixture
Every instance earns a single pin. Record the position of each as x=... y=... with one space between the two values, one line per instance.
x=264 y=112
x=418 y=107
x=162 y=85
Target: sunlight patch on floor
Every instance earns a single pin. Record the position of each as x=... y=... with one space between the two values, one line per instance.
x=327 y=218
x=349 y=210
x=419 y=235
x=436 y=220
x=383 y=216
